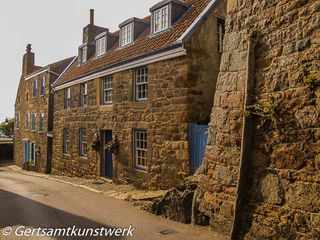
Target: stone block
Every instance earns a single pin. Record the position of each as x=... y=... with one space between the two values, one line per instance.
x=270 y=190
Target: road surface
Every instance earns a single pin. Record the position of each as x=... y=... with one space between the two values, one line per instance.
x=33 y=208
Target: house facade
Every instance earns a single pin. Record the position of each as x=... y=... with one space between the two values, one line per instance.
x=33 y=113
x=123 y=107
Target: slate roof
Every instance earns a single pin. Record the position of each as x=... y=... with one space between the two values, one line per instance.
x=144 y=44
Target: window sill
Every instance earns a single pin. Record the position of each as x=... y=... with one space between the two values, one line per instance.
x=140 y=169
x=139 y=104
x=106 y=107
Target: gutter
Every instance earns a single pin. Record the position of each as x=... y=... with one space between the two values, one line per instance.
x=36 y=73
x=172 y=52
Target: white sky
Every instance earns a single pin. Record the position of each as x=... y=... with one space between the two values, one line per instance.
x=54 y=28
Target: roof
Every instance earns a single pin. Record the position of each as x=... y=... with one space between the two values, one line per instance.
x=144 y=44
x=56 y=67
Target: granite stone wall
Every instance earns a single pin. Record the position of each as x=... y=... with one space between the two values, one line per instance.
x=30 y=104
x=283 y=181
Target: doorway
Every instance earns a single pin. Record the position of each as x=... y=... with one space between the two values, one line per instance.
x=107 y=156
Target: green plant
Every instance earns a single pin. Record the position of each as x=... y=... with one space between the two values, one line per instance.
x=112 y=146
x=6 y=128
x=270 y=114
x=312 y=81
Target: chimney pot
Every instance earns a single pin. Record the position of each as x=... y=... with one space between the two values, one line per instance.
x=28 y=48
x=91 y=16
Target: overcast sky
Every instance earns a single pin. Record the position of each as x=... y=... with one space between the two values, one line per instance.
x=54 y=28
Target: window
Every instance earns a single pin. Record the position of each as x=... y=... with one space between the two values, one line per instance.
x=220 y=34
x=107 y=89
x=43 y=85
x=83 y=142
x=41 y=119
x=83 y=54
x=141 y=84
x=27 y=121
x=33 y=154
x=140 y=149
x=67 y=97
x=27 y=97
x=35 y=87
x=101 y=46
x=126 y=35
x=160 y=19
x=66 y=140
x=33 y=121
x=18 y=121
x=84 y=94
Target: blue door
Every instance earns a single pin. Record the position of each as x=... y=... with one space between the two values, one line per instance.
x=108 y=166
x=198 y=137
x=26 y=151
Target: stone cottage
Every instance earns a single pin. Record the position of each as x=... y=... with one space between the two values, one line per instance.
x=33 y=113
x=123 y=107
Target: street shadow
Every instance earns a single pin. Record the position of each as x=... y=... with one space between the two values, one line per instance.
x=16 y=210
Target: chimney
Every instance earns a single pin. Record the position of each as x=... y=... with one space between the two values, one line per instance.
x=28 y=61
x=91 y=31
x=91 y=16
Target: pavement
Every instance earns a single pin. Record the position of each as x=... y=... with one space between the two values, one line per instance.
x=37 y=204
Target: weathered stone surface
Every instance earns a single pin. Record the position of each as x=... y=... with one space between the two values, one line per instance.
x=270 y=189
x=177 y=203
x=283 y=175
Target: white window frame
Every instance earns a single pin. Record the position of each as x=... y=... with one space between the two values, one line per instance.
x=27 y=121
x=84 y=94
x=107 y=86
x=161 y=19
x=126 y=34
x=101 y=46
x=35 y=88
x=141 y=149
x=32 y=160
x=43 y=86
x=84 y=55
x=41 y=122
x=66 y=141
x=141 y=83
x=33 y=122
x=83 y=142
x=67 y=98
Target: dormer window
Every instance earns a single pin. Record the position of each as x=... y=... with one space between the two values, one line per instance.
x=83 y=54
x=126 y=35
x=166 y=14
x=101 y=44
x=161 y=19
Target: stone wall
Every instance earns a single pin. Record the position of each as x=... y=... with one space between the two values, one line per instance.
x=282 y=189
x=32 y=105
x=164 y=115
x=204 y=61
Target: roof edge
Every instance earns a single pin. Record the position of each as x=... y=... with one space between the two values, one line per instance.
x=165 y=54
x=69 y=65
x=199 y=20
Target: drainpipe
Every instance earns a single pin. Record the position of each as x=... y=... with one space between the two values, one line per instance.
x=246 y=154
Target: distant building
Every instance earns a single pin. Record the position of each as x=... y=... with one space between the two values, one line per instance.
x=6 y=148
x=33 y=113
x=139 y=91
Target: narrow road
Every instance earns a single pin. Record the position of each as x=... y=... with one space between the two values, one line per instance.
x=28 y=202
